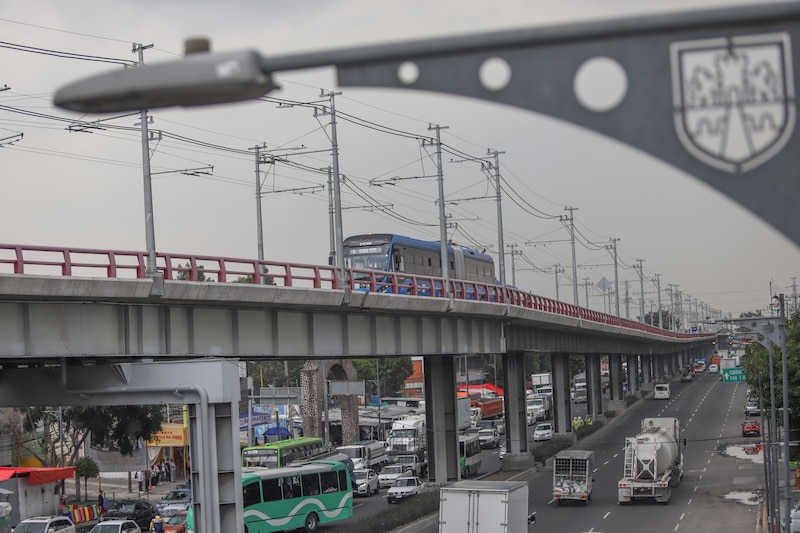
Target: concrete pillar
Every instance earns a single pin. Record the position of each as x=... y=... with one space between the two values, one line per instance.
x=616 y=401
x=634 y=386
x=594 y=392
x=518 y=456
x=441 y=418
x=561 y=401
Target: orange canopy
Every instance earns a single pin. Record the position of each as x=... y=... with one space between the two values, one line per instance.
x=37 y=476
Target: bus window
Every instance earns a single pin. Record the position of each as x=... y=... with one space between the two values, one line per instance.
x=251 y=494
x=310 y=484
x=271 y=489
x=291 y=487
x=330 y=483
x=343 y=480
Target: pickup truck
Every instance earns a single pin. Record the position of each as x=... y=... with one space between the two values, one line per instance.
x=416 y=463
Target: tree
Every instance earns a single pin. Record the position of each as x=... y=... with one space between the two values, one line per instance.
x=85 y=467
x=273 y=373
x=393 y=373
x=666 y=318
x=184 y=275
x=120 y=426
x=756 y=368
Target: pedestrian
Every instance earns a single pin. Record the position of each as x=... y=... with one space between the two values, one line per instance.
x=63 y=508
x=139 y=477
x=102 y=502
x=157 y=524
x=172 y=467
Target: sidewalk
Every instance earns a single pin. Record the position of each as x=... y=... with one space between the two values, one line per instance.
x=115 y=485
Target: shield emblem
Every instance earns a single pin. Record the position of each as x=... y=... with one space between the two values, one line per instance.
x=733 y=98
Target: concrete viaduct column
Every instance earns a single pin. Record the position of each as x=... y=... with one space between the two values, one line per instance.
x=647 y=373
x=518 y=456
x=616 y=400
x=633 y=374
x=594 y=391
x=561 y=387
x=441 y=415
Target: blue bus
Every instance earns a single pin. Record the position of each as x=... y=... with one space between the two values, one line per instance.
x=387 y=252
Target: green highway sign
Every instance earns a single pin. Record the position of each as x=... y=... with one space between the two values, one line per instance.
x=733 y=375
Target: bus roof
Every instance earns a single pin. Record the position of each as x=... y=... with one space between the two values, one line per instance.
x=280 y=444
x=309 y=467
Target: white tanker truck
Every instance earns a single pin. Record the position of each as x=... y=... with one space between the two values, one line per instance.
x=653 y=461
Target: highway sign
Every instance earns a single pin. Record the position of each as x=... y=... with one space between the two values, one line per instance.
x=733 y=375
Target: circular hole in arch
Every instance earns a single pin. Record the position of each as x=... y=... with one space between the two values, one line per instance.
x=600 y=84
x=495 y=74
x=408 y=72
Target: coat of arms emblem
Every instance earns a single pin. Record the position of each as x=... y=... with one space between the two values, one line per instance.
x=733 y=99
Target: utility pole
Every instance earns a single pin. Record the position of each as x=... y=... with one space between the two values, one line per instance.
x=442 y=219
x=586 y=283
x=259 y=219
x=337 y=193
x=616 y=274
x=627 y=301
x=150 y=233
x=514 y=252
x=571 y=220
x=794 y=293
x=331 y=218
x=500 y=242
x=557 y=268
x=641 y=289
x=657 y=279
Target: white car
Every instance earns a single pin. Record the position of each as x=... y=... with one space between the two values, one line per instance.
x=37 y=524
x=390 y=473
x=404 y=488
x=365 y=482
x=713 y=369
x=489 y=438
x=116 y=526
x=543 y=431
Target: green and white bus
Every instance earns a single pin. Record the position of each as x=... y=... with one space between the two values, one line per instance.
x=298 y=496
x=286 y=452
x=469 y=454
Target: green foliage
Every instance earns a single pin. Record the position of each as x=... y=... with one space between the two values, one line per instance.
x=184 y=275
x=426 y=504
x=666 y=318
x=86 y=467
x=274 y=373
x=756 y=368
x=120 y=426
x=550 y=448
x=392 y=371
x=586 y=430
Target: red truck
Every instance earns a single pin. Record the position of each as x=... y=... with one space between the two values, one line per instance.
x=490 y=407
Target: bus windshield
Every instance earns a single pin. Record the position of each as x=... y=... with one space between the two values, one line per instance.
x=367 y=262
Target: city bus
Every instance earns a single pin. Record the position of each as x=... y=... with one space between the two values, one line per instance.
x=469 y=454
x=388 y=252
x=285 y=452
x=303 y=495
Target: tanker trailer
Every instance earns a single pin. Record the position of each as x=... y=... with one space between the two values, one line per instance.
x=653 y=462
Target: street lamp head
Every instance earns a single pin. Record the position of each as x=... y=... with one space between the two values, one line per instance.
x=201 y=78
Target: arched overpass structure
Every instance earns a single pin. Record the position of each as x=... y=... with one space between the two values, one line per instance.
x=78 y=312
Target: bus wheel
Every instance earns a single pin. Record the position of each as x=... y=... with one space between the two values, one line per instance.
x=312 y=522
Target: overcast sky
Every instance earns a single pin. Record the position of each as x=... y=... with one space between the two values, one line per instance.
x=80 y=189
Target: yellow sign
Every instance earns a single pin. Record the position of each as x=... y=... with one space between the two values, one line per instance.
x=170 y=435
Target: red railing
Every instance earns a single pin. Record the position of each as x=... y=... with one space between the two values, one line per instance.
x=86 y=262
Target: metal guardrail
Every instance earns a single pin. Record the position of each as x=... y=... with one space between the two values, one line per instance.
x=125 y=264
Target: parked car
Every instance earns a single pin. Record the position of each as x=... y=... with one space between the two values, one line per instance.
x=177 y=496
x=404 y=488
x=751 y=428
x=751 y=408
x=390 y=473
x=175 y=523
x=39 y=524
x=543 y=431
x=140 y=511
x=489 y=438
x=116 y=526
x=365 y=482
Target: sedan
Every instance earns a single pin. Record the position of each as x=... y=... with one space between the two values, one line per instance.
x=543 y=431
x=489 y=438
x=365 y=482
x=140 y=511
x=751 y=428
x=686 y=376
x=177 y=496
x=404 y=488
x=390 y=473
x=751 y=408
x=175 y=523
x=116 y=526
